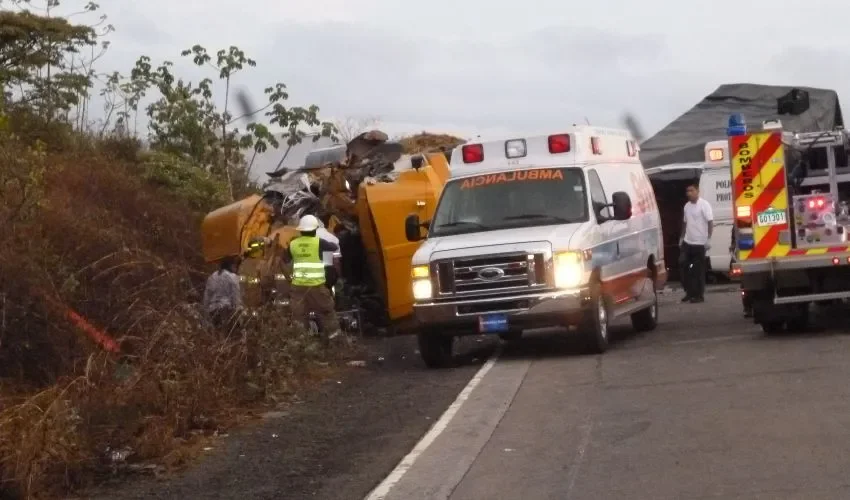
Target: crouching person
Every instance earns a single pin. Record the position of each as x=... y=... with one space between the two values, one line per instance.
x=308 y=292
x=223 y=295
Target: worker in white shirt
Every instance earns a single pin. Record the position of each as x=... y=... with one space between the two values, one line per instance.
x=697 y=226
x=328 y=257
x=223 y=294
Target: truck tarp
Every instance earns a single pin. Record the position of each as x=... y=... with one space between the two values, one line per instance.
x=684 y=139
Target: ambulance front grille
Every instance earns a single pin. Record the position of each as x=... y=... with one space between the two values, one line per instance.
x=492 y=274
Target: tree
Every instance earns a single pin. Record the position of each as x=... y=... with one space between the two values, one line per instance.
x=186 y=120
x=42 y=61
x=350 y=127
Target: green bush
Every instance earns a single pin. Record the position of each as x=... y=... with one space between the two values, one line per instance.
x=201 y=190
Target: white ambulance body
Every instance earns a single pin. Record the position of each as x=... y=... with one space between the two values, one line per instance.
x=551 y=230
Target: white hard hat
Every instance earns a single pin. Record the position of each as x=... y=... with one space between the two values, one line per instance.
x=308 y=223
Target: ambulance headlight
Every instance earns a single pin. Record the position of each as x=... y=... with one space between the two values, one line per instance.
x=569 y=269
x=422 y=289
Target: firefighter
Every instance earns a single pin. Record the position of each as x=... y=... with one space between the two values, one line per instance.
x=308 y=292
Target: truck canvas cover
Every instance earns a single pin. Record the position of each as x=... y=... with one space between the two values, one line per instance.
x=684 y=139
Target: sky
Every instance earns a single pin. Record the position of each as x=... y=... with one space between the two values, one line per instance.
x=493 y=68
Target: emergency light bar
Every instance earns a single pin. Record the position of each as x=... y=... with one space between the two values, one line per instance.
x=584 y=144
x=518 y=148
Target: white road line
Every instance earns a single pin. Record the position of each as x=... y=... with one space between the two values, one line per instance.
x=382 y=490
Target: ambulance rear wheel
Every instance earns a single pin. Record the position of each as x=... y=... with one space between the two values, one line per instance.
x=435 y=349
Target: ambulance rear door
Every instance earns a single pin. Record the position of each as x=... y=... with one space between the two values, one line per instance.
x=716 y=188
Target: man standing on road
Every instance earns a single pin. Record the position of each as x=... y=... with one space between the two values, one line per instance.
x=308 y=292
x=697 y=226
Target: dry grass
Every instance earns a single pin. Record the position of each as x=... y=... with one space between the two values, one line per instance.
x=124 y=258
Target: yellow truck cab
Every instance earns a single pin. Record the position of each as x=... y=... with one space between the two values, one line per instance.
x=555 y=230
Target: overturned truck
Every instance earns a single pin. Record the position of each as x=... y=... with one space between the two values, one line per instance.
x=362 y=192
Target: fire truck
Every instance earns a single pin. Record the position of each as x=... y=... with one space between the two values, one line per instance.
x=790 y=193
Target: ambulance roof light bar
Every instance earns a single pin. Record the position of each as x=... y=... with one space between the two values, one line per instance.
x=583 y=144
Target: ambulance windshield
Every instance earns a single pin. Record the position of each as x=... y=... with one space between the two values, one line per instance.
x=505 y=200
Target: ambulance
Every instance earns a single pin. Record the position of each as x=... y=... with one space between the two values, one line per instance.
x=713 y=176
x=791 y=199
x=558 y=230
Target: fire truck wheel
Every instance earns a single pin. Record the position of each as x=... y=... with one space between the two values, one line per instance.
x=772 y=327
x=800 y=321
x=594 y=326
x=435 y=349
x=511 y=336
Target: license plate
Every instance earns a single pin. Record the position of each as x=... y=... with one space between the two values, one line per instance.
x=772 y=217
x=493 y=323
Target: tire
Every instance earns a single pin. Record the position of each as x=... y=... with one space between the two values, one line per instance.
x=647 y=319
x=800 y=322
x=772 y=327
x=594 y=328
x=512 y=336
x=435 y=349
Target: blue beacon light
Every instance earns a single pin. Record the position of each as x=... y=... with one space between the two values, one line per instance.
x=737 y=125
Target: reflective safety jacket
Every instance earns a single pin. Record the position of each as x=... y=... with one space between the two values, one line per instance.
x=307 y=266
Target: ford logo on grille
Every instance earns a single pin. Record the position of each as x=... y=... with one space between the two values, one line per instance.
x=491 y=273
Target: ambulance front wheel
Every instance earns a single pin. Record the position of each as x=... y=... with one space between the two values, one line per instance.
x=594 y=325
x=435 y=348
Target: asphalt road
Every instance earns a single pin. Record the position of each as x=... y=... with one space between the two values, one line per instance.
x=703 y=407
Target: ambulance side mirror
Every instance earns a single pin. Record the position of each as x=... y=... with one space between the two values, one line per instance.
x=622 y=205
x=413 y=228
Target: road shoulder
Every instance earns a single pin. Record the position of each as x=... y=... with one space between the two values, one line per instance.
x=338 y=443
